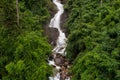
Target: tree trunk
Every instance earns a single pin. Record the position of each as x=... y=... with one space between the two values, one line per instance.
x=101 y=3
x=17 y=10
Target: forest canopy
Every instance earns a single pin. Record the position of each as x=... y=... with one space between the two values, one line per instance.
x=23 y=48
x=93 y=45
x=94 y=39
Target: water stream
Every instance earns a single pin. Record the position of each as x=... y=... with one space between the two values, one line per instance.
x=55 y=23
x=59 y=50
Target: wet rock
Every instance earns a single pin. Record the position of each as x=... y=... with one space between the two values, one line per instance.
x=63 y=73
x=51 y=57
x=59 y=61
x=52 y=34
x=66 y=63
x=64 y=18
x=62 y=76
x=58 y=55
x=63 y=1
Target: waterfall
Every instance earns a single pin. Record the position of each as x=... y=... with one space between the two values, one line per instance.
x=60 y=44
x=55 y=23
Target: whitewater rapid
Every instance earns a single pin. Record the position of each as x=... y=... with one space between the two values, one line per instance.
x=61 y=41
x=55 y=23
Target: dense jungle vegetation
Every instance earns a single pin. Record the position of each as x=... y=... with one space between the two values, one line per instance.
x=23 y=48
x=94 y=39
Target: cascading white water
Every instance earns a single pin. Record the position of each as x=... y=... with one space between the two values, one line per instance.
x=61 y=41
x=55 y=23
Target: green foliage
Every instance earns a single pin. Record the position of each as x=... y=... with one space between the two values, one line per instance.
x=15 y=68
x=94 y=39
x=95 y=65
x=23 y=48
